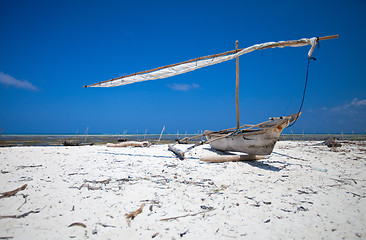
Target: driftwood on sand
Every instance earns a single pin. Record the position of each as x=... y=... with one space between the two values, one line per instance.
x=77 y=224
x=19 y=216
x=129 y=144
x=187 y=215
x=135 y=213
x=13 y=192
x=230 y=158
x=176 y=151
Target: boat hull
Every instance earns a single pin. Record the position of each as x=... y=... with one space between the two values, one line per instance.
x=253 y=142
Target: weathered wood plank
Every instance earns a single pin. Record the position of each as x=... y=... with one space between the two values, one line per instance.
x=176 y=151
x=230 y=158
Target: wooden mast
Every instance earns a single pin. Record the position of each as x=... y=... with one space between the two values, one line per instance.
x=237 y=88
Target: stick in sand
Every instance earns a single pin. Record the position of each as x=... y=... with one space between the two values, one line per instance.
x=161 y=134
x=231 y=158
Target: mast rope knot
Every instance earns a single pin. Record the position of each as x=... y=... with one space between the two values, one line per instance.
x=313 y=42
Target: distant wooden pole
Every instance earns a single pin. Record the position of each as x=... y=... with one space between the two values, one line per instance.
x=161 y=134
x=86 y=134
x=2 y=130
x=237 y=88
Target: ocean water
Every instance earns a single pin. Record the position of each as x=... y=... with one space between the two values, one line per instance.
x=98 y=139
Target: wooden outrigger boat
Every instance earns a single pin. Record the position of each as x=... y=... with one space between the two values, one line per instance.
x=258 y=139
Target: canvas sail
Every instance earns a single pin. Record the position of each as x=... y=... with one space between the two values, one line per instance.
x=191 y=65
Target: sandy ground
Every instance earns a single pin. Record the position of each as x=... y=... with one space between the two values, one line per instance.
x=304 y=190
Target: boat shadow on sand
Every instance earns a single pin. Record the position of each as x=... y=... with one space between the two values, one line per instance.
x=264 y=166
x=254 y=163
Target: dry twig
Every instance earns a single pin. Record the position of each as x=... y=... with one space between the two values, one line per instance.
x=25 y=201
x=19 y=216
x=106 y=225
x=135 y=213
x=21 y=167
x=100 y=181
x=14 y=192
x=77 y=224
x=187 y=215
x=89 y=187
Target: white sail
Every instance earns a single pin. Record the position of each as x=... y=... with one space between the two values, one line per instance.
x=189 y=66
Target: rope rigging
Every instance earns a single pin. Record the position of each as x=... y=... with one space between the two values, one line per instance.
x=303 y=94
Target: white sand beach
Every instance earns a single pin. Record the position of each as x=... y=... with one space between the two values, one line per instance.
x=304 y=190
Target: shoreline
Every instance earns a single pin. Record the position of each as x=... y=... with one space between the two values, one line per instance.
x=100 y=139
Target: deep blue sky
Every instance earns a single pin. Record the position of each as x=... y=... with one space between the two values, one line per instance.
x=50 y=49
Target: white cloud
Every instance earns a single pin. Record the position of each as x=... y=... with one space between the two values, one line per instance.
x=354 y=107
x=10 y=81
x=183 y=87
x=357 y=103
